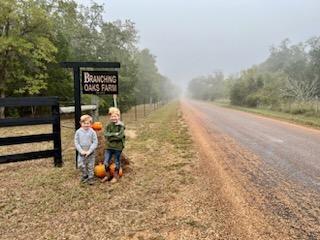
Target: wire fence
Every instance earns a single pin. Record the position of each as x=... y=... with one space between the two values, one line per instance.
x=139 y=112
x=311 y=108
x=135 y=113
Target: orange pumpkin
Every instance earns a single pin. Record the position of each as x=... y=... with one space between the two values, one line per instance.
x=97 y=126
x=112 y=168
x=100 y=170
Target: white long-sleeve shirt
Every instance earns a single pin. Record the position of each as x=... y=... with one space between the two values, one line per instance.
x=85 y=140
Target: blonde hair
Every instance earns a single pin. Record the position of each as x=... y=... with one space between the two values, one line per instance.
x=114 y=110
x=85 y=118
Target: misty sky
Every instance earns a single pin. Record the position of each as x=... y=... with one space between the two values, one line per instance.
x=192 y=38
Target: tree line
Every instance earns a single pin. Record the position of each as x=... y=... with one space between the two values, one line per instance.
x=35 y=35
x=288 y=80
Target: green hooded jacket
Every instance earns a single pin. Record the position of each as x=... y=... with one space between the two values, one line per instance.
x=114 y=134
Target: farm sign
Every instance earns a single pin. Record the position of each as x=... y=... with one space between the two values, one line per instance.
x=91 y=82
x=100 y=82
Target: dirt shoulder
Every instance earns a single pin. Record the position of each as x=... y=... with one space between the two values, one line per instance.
x=240 y=220
x=163 y=195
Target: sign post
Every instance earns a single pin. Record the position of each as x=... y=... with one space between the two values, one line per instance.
x=98 y=82
x=77 y=97
x=115 y=100
x=76 y=66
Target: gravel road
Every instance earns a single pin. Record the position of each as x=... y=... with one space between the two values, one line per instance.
x=270 y=168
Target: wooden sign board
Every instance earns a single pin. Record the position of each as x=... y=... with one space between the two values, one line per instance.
x=100 y=82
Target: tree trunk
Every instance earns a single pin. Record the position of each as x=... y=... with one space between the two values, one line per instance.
x=2 y=95
x=2 y=90
x=3 y=70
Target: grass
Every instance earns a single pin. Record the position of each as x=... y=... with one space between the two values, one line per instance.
x=311 y=121
x=39 y=201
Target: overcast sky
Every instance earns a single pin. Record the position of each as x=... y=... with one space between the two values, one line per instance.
x=192 y=38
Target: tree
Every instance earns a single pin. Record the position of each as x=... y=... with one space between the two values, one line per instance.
x=118 y=43
x=35 y=35
x=66 y=25
x=25 y=48
x=209 y=87
x=147 y=73
x=151 y=85
x=300 y=89
x=314 y=44
x=245 y=90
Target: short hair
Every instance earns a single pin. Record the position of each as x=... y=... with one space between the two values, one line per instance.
x=114 y=110
x=85 y=118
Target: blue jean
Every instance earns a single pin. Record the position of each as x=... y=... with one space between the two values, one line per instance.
x=108 y=155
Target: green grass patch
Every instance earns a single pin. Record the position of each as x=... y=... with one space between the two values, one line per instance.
x=311 y=121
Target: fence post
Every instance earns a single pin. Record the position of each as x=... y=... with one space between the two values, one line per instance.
x=144 y=107
x=135 y=111
x=56 y=130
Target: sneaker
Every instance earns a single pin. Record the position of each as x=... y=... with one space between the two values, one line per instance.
x=114 y=180
x=84 y=179
x=90 y=181
x=115 y=177
x=106 y=178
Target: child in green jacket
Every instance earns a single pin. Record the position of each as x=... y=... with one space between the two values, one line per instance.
x=115 y=137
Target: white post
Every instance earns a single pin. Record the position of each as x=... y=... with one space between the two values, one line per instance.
x=115 y=100
x=95 y=101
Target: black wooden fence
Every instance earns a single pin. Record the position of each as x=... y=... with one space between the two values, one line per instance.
x=53 y=119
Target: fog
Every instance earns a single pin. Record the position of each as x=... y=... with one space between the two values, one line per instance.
x=192 y=38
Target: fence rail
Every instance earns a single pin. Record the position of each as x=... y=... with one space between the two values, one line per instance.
x=55 y=136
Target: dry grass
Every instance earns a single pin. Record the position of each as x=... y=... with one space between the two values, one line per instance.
x=152 y=201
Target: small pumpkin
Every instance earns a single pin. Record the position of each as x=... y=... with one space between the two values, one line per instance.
x=97 y=126
x=100 y=170
x=112 y=168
